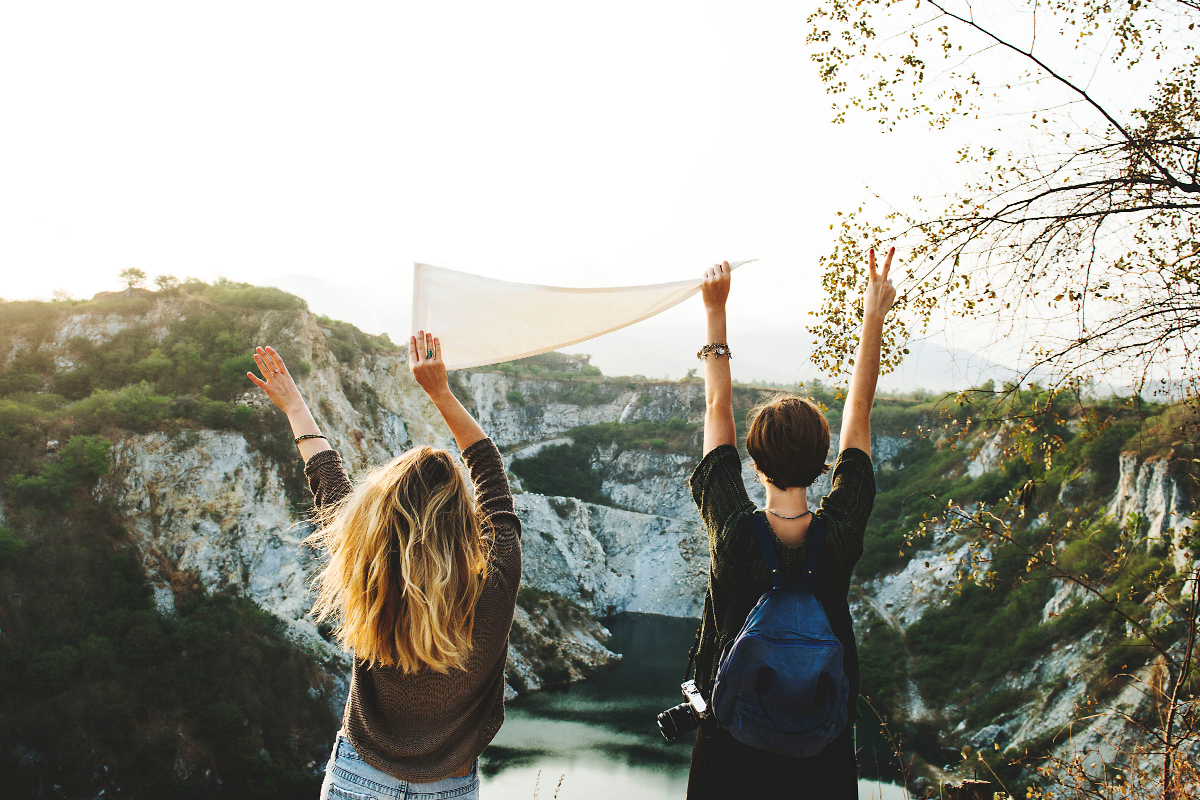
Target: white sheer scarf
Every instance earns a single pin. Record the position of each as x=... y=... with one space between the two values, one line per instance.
x=485 y=321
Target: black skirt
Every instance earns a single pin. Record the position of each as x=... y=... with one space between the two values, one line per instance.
x=724 y=768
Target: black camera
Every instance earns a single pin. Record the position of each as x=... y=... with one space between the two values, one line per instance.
x=684 y=718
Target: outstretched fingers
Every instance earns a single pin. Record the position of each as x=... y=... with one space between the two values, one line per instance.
x=419 y=347
x=257 y=381
x=887 y=264
x=280 y=367
x=262 y=364
x=423 y=347
x=871 y=266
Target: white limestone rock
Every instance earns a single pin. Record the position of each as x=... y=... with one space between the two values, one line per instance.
x=1066 y=596
x=612 y=560
x=1154 y=490
x=904 y=597
x=987 y=457
x=204 y=502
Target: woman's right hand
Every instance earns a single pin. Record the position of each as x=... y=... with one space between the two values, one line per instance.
x=425 y=361
x=715 y=288
x=880 y=294
x=276 y=381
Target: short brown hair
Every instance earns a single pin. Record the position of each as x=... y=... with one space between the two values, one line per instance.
x=788 y=440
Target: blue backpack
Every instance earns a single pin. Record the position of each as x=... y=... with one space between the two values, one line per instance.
x=780 y=685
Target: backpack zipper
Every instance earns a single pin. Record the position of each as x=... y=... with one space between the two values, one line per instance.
x=793 y=642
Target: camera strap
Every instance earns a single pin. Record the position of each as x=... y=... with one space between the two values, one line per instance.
x=739 y=602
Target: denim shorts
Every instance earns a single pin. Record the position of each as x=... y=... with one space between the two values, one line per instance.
x=348 y=777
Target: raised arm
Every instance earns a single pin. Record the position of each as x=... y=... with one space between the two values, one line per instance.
x=718 y=386
x=856 y=416
x=425 y=361
x=281 y=389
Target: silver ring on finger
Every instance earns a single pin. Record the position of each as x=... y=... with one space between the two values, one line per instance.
x=429 y=354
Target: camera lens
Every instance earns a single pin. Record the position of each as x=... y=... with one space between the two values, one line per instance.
x=675 y=722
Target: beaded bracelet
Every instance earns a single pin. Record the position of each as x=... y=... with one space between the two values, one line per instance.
x=300 y=439
x=720 y=348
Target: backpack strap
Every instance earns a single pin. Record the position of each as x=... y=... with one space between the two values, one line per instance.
x=768 y=549
x=816 y=538
x=741 y=597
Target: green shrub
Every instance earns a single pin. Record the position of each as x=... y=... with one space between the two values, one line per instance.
x=348 y=344
x=515 y=397
x=10 y=544
x=990 y=488
x=677 y=435
x=91 y=672
x=134 y=407
x=73 y=385
x=26 y=373
x=234 y=369
x=564 y=470
x=83 y=460
x=51 y=670
x=893 y=418
x=16 y=417
x=979 y=635
x=883 y=664
x=242 y=417
x=135 y=305
x=997 y=706
x=154 y=366
x=1102 y=453
x=245 y=295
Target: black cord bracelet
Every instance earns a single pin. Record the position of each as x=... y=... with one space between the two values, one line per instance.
x=300 y=439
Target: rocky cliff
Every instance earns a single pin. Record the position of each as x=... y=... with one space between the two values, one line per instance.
x=215 y=505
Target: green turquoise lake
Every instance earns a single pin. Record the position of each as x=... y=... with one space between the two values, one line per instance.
x=599 y=738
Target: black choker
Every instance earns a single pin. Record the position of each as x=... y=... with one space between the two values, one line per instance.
x=781 y=516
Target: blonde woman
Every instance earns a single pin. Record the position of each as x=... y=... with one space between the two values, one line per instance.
x=422 y=580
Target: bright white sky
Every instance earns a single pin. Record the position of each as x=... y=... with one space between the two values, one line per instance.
x=561 y=143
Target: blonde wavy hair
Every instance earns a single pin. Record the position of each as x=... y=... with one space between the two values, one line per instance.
x=407 y=559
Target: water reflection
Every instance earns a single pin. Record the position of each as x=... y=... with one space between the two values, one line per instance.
x=599 y=736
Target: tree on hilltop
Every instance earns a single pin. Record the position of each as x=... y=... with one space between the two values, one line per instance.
x=166 y=283
x=133 y=278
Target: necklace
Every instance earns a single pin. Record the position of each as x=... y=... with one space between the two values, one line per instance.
x=781 y=516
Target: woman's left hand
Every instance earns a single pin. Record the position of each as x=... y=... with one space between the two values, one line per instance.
x=277 y=381
x=425 y=361
x=714 y=289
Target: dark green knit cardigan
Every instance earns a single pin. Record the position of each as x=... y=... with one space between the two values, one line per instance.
x=728 y=513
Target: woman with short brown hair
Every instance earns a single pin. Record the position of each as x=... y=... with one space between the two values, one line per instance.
x=788 y=440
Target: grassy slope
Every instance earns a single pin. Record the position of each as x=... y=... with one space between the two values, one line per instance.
x=97 y=690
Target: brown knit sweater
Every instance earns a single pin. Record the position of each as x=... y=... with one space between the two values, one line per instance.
x=427 y=726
